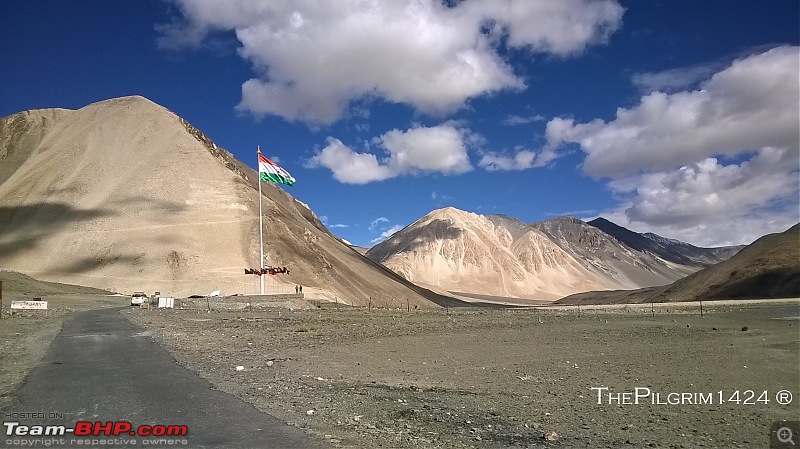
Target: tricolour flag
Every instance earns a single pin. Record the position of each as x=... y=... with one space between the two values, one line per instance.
x=272 y=172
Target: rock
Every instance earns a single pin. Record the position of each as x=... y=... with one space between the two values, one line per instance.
x=239 y=368
x=309 y=412
x=270 y=363
x=550 y=435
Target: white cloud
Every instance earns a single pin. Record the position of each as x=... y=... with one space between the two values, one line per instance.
x=439 y=149
x=523 y=159
x=339 y=226
x=387 y=233
x=440 y=196
x=315 y=59
x=750 y=105
x=514 y=120
x=710 y=203
x=562 y=27
x=377 y=222
x=347 y=165
x=714 y=166
x=673 y=79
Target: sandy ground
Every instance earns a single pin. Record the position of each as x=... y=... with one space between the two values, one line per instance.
x=26 y=335
x=502 y=378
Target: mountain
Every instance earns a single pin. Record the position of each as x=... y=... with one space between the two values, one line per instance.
x=768 y=268
x=620 y=265
x=667 y=249
x=498 y=255
x=466 y=252
x=124 y=195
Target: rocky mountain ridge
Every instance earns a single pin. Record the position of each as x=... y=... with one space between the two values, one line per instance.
x=502 y=256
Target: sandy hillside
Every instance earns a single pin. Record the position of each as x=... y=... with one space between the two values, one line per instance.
x=768 y=268
x=501 y=256
x=124 y=195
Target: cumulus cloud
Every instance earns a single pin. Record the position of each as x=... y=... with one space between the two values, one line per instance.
x=315 y=59
x=750 y=105
x=349 y=166
x=710 y=191
x=714 y=166
x=439 y=149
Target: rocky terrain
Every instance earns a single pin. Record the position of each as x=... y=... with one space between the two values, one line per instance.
x=492 y=378
x=473 y=378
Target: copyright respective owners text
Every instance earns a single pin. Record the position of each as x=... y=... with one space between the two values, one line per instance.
x=734 y=397
x=52 y=429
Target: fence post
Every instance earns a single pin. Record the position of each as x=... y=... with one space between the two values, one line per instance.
x=652 y=311
x=701 y=308
x=370 y=304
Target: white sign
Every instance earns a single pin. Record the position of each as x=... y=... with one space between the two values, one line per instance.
x=29 y=305
x=166 y=302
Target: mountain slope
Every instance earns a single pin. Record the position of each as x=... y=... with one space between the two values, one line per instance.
x=668 y=249
x=768 y=268
x=125 y=195
x=619 y=265
x=466 y=252
x=501 y=256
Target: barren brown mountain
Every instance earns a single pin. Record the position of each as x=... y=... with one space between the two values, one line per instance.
x=668 y=249
x=124 y=195
x=768 y=268
x=501 y=256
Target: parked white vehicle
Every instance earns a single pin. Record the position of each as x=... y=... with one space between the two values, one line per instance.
x=138 y=298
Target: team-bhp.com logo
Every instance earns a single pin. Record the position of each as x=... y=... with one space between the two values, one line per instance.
x=97 y=428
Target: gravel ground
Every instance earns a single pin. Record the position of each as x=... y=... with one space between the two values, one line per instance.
x=500 y=378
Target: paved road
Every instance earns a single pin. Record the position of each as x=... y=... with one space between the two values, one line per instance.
x=102 y=368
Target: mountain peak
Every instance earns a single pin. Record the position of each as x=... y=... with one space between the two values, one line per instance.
x=125 y=195
x=449 y=212
x=672 y=250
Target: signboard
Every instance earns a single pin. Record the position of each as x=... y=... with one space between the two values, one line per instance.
x=29 y=305
x=166 y=302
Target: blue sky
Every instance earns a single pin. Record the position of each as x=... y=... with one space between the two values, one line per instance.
x=676 y=117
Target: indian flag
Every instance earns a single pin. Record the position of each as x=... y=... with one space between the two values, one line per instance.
x=272 y=172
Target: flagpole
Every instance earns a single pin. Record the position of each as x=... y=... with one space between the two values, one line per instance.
x=260 y=226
